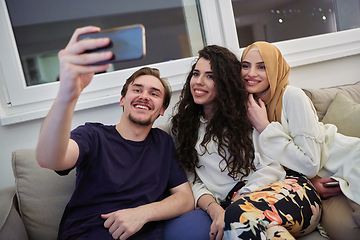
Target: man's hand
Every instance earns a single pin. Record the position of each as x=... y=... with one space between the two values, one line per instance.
x=257 y=114
x=75 y=73
x=325 y=192
x=124 y=223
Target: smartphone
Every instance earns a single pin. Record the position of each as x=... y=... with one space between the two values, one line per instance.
x=331 y=184
x=126 y=43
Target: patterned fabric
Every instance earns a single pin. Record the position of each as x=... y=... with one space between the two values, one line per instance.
x=292 y=204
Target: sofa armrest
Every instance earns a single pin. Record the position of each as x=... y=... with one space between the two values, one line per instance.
x=11 y=224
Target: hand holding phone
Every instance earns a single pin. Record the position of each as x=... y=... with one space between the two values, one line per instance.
x=331 y=184
x=126 y=43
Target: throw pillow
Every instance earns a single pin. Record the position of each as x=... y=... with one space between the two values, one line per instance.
x=42 y=195
x=322 y=97
x=345 y=114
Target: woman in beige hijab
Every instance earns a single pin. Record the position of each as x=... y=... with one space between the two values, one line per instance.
x=289 y=131
x=285 y=209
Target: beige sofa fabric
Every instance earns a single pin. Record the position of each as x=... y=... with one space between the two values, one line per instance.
x=323 y=97
x=340 y=106
x=30 y=188
x=345 y=114
x=10 y=218
x=334 y=210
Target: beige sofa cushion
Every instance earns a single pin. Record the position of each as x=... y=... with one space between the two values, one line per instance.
x=9 y=218
x=322 y=97
x=42 y=195
x=337 y=218
x=345 y=114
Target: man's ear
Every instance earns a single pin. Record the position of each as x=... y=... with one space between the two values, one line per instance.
x=162 y=111
x=121 y=101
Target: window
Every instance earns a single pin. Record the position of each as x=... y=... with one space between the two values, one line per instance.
x=41 y=31
x=280 y=20
x=27 y=85
x=173 y=32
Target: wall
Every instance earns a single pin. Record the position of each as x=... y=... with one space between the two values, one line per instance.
x=328 y=73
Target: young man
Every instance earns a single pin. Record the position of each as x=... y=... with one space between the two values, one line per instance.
x=128 y=178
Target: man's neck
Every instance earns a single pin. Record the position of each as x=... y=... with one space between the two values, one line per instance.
x=132 y=131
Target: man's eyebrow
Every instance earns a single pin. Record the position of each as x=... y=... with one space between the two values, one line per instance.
x=152 y=88
x=156 y=89
x=137 y=85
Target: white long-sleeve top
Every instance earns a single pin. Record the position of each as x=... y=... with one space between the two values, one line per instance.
x=212 y=180
x=305 y=145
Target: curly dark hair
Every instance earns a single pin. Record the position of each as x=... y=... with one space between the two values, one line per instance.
x=229 y=126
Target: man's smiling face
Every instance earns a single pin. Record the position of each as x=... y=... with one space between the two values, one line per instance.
x=143 y=102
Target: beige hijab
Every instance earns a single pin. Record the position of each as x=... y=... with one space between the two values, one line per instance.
x=278 y=71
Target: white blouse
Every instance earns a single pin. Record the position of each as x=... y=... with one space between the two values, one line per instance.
x=212 y=180
x=305 y=145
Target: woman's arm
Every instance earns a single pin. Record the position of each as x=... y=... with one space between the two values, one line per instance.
x=198 y=187
x=267 y=172
x=208 y=203
x=298 y=142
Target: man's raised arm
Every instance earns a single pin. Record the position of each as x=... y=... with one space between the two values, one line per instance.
x=55 y=150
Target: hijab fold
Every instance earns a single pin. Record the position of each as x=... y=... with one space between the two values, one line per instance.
x=278 y=71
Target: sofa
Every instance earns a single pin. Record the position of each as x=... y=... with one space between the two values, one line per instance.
x=32 y=208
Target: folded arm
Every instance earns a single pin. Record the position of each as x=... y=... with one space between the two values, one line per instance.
x=298 y=142
x=124 y=223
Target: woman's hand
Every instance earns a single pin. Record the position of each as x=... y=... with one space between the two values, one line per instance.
x=325 y=192
x=217 y=214
x=257 y=114
x=208 y=203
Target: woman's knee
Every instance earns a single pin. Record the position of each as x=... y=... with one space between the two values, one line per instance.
x=233 y=213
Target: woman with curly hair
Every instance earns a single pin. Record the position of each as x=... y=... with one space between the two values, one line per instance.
x=213 y=136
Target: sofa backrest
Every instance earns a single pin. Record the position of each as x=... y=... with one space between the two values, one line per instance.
x=338 y=105
x=323 y=97
x=42 y=195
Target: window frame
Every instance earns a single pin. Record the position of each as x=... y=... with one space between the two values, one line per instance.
x=28 y=103
x=24 y=103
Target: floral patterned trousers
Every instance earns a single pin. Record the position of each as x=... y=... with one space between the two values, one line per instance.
x=282 y=210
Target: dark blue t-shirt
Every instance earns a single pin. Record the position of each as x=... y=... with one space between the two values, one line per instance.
x=113 y=173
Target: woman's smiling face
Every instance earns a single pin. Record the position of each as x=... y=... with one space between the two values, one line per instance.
x=202 y=85
x=253 y=73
